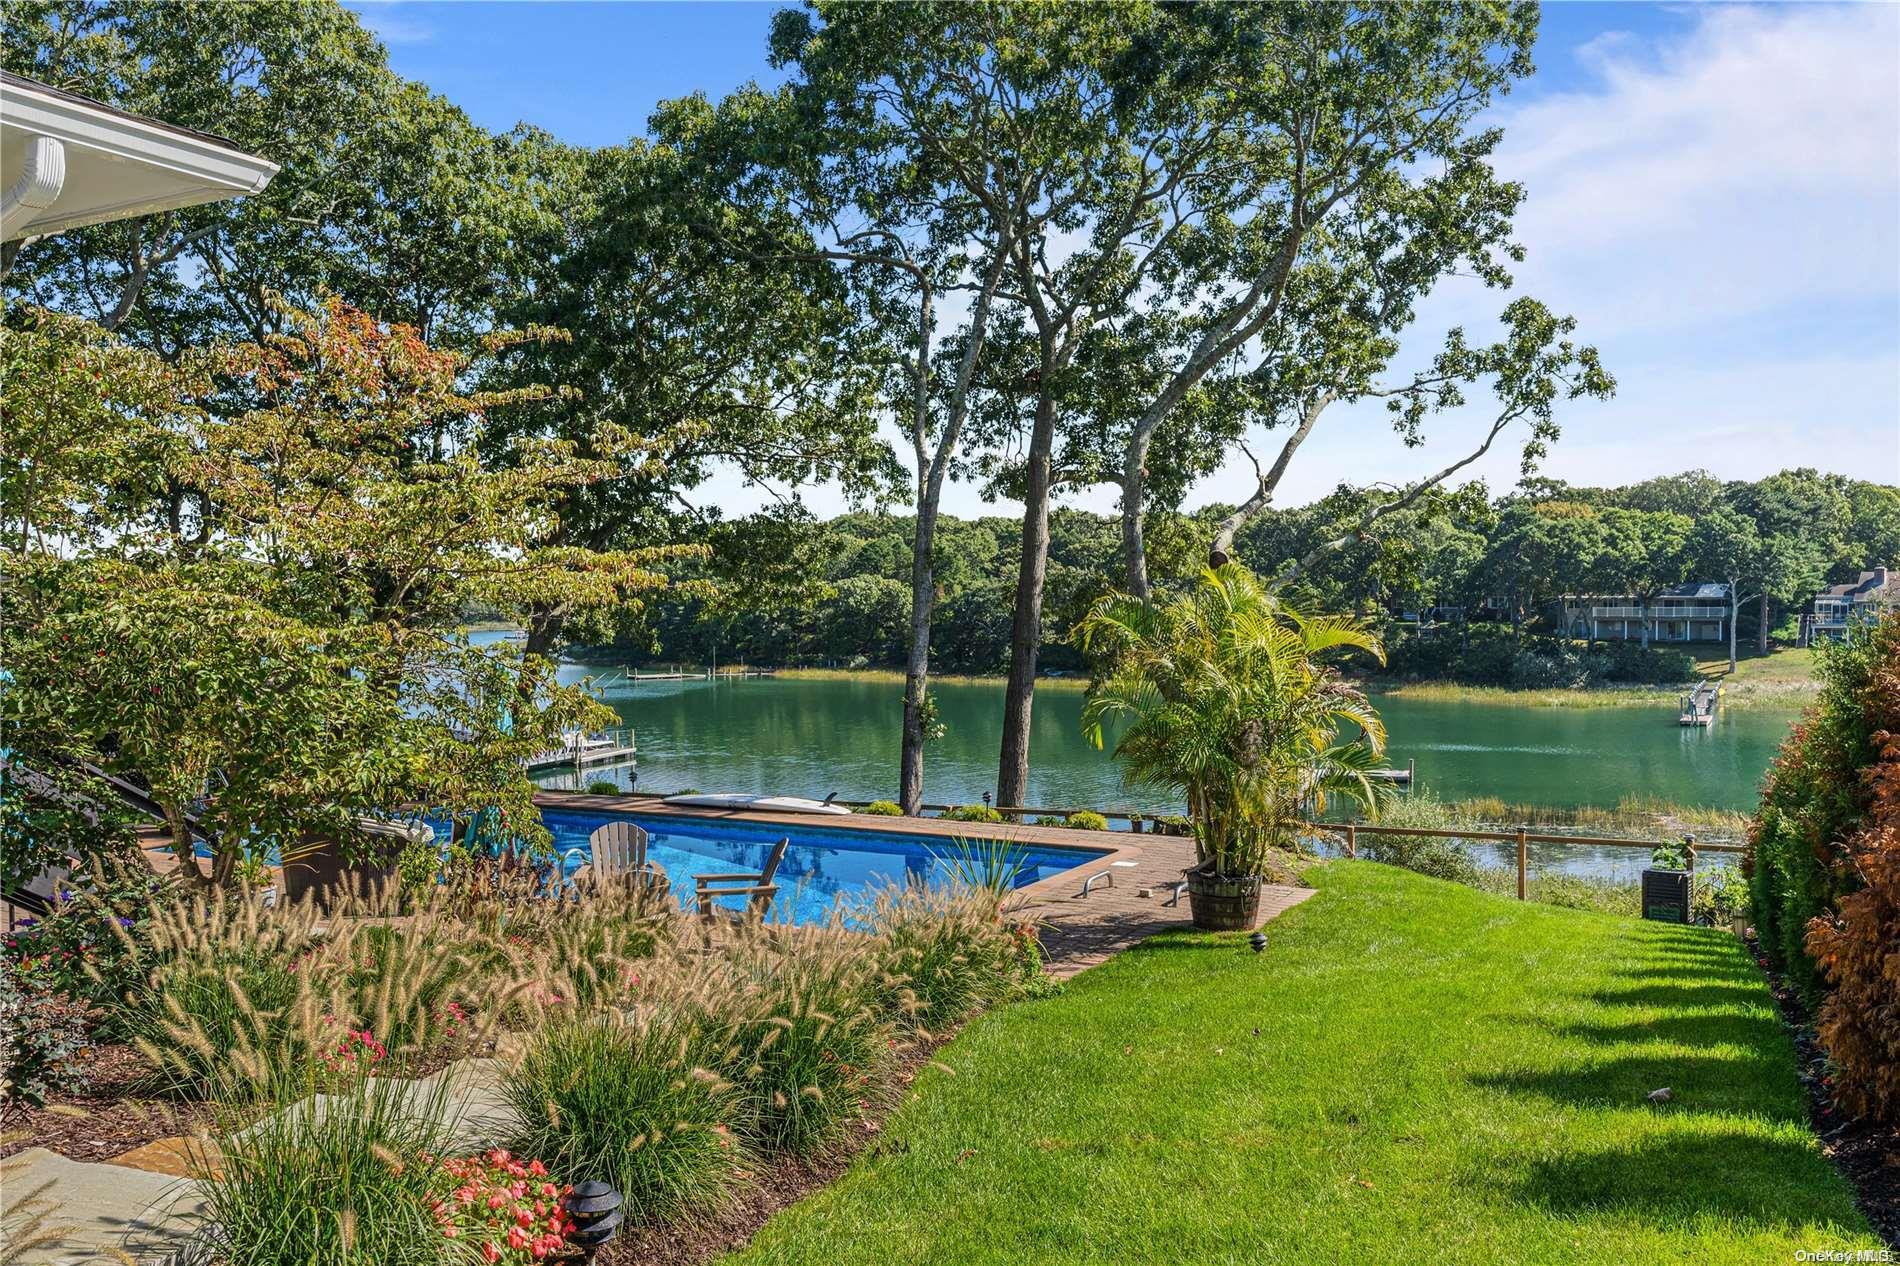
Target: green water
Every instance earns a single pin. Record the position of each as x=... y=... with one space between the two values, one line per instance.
x=815 y=737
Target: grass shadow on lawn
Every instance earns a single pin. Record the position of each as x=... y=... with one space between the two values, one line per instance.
x=1708 y=995
x=1697 y=1029
x=1683 y=1178
x=1698 y=1083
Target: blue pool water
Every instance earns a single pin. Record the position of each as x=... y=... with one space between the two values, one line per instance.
x=821 y=865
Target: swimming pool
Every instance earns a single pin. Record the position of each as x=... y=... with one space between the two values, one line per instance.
x=821 y=864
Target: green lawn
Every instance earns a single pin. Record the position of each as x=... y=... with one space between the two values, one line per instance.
x=1413 y=1071
x=1785 y=670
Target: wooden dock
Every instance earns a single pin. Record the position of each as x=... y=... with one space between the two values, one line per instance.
x=635 y=677
x=585 y=751
x=1698 y=706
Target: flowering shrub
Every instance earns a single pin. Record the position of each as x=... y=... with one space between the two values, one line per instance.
x=88 y=947
x=508 y=1211
x=42 y=1041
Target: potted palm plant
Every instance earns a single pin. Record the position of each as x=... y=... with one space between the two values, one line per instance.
x=1223 y=694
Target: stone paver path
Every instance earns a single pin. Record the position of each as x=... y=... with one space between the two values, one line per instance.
x=105 y=1213
x=1080 y=931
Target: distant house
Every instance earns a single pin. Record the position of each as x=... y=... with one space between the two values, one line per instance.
x=1838 y=607
x=1696 y=612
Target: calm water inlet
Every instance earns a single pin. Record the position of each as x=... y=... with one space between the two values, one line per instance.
x=814 y=737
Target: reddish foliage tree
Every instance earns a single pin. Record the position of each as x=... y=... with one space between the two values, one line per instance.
x=1857 y=947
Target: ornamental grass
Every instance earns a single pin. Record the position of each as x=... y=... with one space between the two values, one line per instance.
x=634 y=1098
x=945 y=953
x=796 y=1011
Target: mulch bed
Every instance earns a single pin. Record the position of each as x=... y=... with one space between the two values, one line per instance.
x=1866 y=1153
x=769 y=1188
x=108 y=1117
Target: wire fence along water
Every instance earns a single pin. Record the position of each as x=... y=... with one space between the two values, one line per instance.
x=1573 y=853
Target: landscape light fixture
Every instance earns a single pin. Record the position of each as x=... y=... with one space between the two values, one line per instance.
x=1258 y=940
x=595 y=1209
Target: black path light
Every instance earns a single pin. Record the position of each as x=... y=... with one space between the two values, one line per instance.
x=1258 y=940
x=596 y=1213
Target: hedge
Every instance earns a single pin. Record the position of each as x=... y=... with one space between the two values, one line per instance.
x=1815 y=798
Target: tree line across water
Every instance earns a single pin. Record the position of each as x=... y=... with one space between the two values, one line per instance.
x=788 y=591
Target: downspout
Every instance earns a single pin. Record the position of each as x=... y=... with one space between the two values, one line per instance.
x=38 y=185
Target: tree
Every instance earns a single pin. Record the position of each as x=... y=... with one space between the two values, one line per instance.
x=1726 y=544
x=1645 y=553
x=1802 y=517
x=284 y=660
x=292 y=81
x=686 y=357
x=898 y=108
x=89 y=425
x=1361 y=183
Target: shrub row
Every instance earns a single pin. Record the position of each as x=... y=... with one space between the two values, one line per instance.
x=1817 y=796
x=1488 y=656
x=1856 y=946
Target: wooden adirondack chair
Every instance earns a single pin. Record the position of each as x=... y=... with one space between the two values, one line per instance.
x=756 y=886
x=619 y=853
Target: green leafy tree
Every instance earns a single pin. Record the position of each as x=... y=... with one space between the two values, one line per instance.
x=285 y=665
x=289 y=80
x=90 y=422
x=1726 y=545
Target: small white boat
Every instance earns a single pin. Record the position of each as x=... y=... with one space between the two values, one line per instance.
x=769 y=804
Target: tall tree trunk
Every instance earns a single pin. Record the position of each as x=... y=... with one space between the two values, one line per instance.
x=1645 y=610
x=1761 y=634
x=923 y=601
x=931 y=469
x=1025 y=641
x=1134 y=547
x=923 y=580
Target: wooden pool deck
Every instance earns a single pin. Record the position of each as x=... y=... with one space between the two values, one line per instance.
x=1079 y=929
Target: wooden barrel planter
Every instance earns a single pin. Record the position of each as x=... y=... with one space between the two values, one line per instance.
x=317 y=865
x=1223 y=903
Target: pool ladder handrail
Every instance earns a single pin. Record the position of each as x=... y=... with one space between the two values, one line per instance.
x=1089 y=883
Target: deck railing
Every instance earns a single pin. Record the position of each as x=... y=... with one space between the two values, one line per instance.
x=1656 y=613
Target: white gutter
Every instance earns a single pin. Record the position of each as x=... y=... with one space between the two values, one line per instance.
x=38 y=185
x=103 y=163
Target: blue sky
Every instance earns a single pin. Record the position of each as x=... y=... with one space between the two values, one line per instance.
x=1714 y=191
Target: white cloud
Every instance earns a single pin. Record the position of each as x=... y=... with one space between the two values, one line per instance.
x=390 y=23
x=1752 y=163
